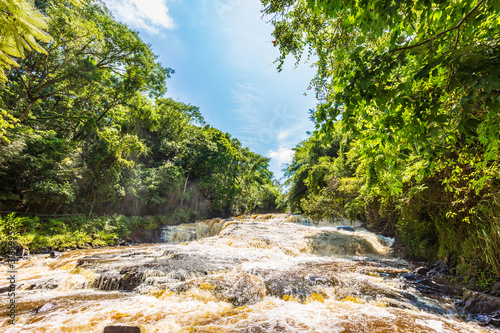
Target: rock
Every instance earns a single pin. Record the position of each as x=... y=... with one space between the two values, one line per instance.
x=169 y=265
x=108 y=282
x=479 y=303
x=53 y=254
x=236 y=288
x=22 y=251
x=495 y=289
x=43 y=283
x=487 y=319
x=345 y=228
x=419 y=280
x=44 y=308
x=421 y=270
x=122 y=329
x=4 y=289
x=297 y=285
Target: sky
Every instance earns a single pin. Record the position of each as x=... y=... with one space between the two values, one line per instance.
x=223 y=57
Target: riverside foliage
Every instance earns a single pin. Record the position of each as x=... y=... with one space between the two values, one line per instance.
x=86 y=130
x=408 y=121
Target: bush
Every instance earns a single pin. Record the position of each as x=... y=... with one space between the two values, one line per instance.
x=77 y=231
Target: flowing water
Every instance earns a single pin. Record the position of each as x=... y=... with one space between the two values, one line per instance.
x=266 y=273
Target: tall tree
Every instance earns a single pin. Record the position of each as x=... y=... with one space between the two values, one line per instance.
x=94 y=64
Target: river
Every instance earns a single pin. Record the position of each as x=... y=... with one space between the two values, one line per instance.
x=266 y=273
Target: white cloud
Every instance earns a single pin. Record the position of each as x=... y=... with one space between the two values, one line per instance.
x=149 y=15
x=283 y=155
x=284 y=134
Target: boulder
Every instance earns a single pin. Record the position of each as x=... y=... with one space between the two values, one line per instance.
x=122 y=329
x=44 y=308
x=347 y=228
x=495 y=289
x=475 y=303
x=236 y=288
x=421 y=270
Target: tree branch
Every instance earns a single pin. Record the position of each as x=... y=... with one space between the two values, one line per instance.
x=444 y=32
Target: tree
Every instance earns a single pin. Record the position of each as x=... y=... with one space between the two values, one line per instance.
x=94 y=64
x=307 y=155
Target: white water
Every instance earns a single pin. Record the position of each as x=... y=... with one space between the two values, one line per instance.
x=254 y=274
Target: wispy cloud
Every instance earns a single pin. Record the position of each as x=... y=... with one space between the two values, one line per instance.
x=149 y=15
x=286 y=133
x=282 y=155
x=251 y=108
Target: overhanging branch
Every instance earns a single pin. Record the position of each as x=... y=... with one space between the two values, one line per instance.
x=456 y=27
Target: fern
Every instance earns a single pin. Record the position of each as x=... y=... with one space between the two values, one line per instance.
x=21 y=25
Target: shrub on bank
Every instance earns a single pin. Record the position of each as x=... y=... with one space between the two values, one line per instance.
x=76 y=231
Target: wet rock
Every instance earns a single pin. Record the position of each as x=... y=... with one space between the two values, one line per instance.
x=495 y=289
x=44 y=308
x=434 y=279
x=430 y=286
x=22 y=251
x=289 y=284
x=236 y=288
x=50 y=283
x=347 y=228
x=122 y=329
x=131 y=280
x=183 y=266
x=488 y=319
x=421 y=270
x=335 y=243
x=53 y=254
x=172 y=265
x=303 y=281
x=475 y=303
x=108 y=282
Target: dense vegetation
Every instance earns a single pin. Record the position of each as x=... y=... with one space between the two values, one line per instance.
x=408 y=122
x=85 y=128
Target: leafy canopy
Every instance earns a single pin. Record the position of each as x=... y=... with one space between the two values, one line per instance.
x=414 y=80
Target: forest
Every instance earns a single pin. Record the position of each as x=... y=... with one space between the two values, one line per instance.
x=408 y=125
x=91 y=149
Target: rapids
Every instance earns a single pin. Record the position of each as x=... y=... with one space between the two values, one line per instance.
x=265 y=273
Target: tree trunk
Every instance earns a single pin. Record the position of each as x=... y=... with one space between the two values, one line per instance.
x=184 y=192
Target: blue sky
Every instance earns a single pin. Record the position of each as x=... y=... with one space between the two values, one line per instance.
x=222 y=54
